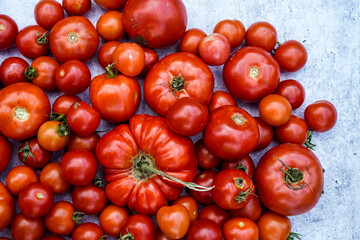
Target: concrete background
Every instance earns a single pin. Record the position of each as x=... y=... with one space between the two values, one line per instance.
x=330 y=32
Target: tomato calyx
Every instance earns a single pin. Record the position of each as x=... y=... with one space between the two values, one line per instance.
x=294 y=236
x=111 y=71
x=242 y=167
x=254 y=72
x=243 y=194
x=238 y=119
x=43 y=38
x=30 y=73
x=77 y=217
x=63 y=128
x=21 y=113
x=127 y=236
x=99 y=182
x=27 y=152
x=176 y=84
x=308 y=142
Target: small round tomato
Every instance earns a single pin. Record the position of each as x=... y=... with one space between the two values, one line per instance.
x=8 y=32
x=89 y=199
x=6 y=149
x=52 y=137
x=110 y=26
x=240 y=228
x=78 y=142
x=151 y=57
x=261 y=34
x=111 y=4
x=161 y=236
x=190 y=41
x=187 y=116
x=105 y=53
x=47 y=13
x=73 y=77
x=252 y=210
x=24 y=228
x=19 y=177
x=7 y=207
x=76 y=7
x=139 y=226
x=63 y=103
x=59 y=220
x=33 y=155
x=204 y=178
x=205 y=158
x=43 y=72
x=215 y=49
x=173 y=221
x=244 y=163
x=190 y=204
x=215 y=213
x=204 y=229
x=274 y=226
x=12 y=70
x=32 y=41
x=275 y=110
x=129 y=59
x=112 y=219
x=266 y=134
x=87 y=231
x=221 y=98
x=51 y=175
x=233 y=30
x=321 y=116
x=293 y=91
x=293 y=131
x=291 y=56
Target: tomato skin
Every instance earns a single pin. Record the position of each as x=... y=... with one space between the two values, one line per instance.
x=204 y=178
x=161 y=236
x=240 y=229
x=76 y=7
x=291 y=56
x=111 y=4
x=12 y=70
x=321 y=116
x=244 y=163
x=273 y=190
x=215 y=213
x=140 y=226
x=49 y=138
x=275 y=110
x=112 y=219
x=63 y=103
x=29 y=44
x=252 y=210
x=214 y=49
x=110 y=26
x=151 y=57
x=14 y=123
x=42 y=156
x=205 y=158
x=190 y=41
x=274 y=226
x=233 y=30
x=129 y=59
x=78 y=142
x=190 y=204
x=24 y=228
x=87 y=231
x=89 y=199
x=293 y=131
x=204 y=229
x=59 y=219
x=155 y=29
x=105 y=53
x=261 y=34
x=221 y=98
x=45 y=68
x=8 y=32
x=293 y=91
x=250 y=74
x=19 y=177
x=173 y=221
x=52 y=176
x=69 y=44
x=266 y=134
x=7 y=207
x=47 y=13
x=6 y=149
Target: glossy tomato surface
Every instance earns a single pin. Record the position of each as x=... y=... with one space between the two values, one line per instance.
x=321 y=116
x=191 y=205
x=24 y=228
x=139 y=226
x=76 y=7
x=6 y=149
x=43 y=72
x=89 y=199
x=204 y=178
x=63 y=103
x=261 y=34
x=243 y=163
x=12 y=70
x=111 y=4
x=214 y=49
x=204 y=229
x=173 y=221
x=266 y=134
x=274 y=226
x=49 y=137
x=221 y=98
x=294 y=92
x=19 y=177
x=105 y=53
x=112 y=219
x=275 y=110
x=59 y=219
x=252 y=210
x=8 y=31
x=233 y=30
x=129 y=59
x=32 y=41
x=205 y=158
x=215 y=213
x=110 y=26
x=240 y=229
x=7 y=207
x=33 y=155
x=293 y=131
x=52 y=176
x=190 y=41
x=291 y=56
x=47 y=13
x=87 y=231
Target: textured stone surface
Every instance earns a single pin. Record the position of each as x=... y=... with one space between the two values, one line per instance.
x=329 y=32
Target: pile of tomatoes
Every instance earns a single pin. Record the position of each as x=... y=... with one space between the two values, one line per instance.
x=147 y=160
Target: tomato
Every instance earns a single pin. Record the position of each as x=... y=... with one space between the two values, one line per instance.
x=205 y=158
x=293 y=91
x=244 y=163
x=204 y=178
x=116 y=98
x=214 y=213
x=110 y=26
x=35 y=200
x=139 y=227
x=52 y=238
x=155 y=29
x=12 y=70
x=275 y=110
x=133 y=157
x=187 y=116
x=231 y=132
x=89 y=199
x=151 y=57
x=87 y=231
x=215 y=49
x=78 y=142
x=51 y=175
x=32 y=41
x=6 y=149
x=19 y=177
x=112 y=218
x=22 y=120
x=79 y=167
x=289 y=179
x=173 y=221
x=51 y=138
x=291 y=56
x=250 y=74
x=63 y=103
x=252 y=210
x=73 y=77
x=274 y=226
x=221 y=98
x=129 y=59
x=176 y=76
x=24 y=228
x=83 y=119
x=266 y=134
x=76 y=7
x=233 y=30
x=240 y=229
x=321 y=116
x=261 y=34
x=73 y=38
x=33 y=155
x=105 y=53
x=204 y=229
x=190 y=40
x=161 y=236
x=293 y=131
x=190 y=204
x=7 y=207
x=59 y=219
x=111 y=4
x=8 y=32
x=42 y=72
x=47 y=13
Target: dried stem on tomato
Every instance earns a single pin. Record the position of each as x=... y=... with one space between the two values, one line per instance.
x=77 y=217
x=63 y=128
x=27 y=152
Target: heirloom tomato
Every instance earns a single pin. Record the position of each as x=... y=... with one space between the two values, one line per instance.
x=190 y=41
x=12 y=70
x=173 y=221
x=204 y=229
x=6 y=149
x=33 y=155
x=32 y=41
x=24 y=228
x=273 y=226
x=47 y=13
x=7 y=207
x=321 y=116
x=8 y=32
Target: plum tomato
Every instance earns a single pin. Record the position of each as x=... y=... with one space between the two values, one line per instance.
x=47 y=13
x=243 y=163
x=8 y=32
x=52 y=176
x=291 y=56
x=206 y=160
x=105 y=53
x=19 y=177
x=204 y=229
x=274 y=226
x=214 y=49
x=33 y=155
x=190 y=41
x=240 y=228
x=6 y=149
x=221 y=98
x=32 y=41
x=321 y=116
x=12 y=70
x=233 y=30
x=63 y=103
x=129 y=59
x=266 y=134
x=293 y=131
x=110 y=26
x=261 y=34
x=76 y=7
x=293 y=91
x=275 y=110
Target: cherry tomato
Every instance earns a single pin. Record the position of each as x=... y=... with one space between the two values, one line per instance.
x=151 y=57
x=139 y=226
x=215 y=49
x=47 y=13
x=59 y=220
x=51 y=138
x=63 y=103
x=321 y=116
x=112 y=219
x=233 y=30
x=6 y=149
x=244 y=163
x=221 y=98
x=205 y=158
x=190 y=204
x=215 y=213
x=291 y=56
x=32 y=41
x=89 y=199
x=42 y=72
x=105 y=53
x=12 y=70
x=51 y=175
x=275 y=110
x=161 y=236
x=76 y=7
x=274 y=226
x=252 y=210
x=110 y=26
x=293 y=91
x=19 y=177
x=8 y=32
x=7 y=207
x=173 y=221
x=294 y=131
x=240 y=229
x=261 y=34
x=87 y=231
x=33 y=155
x=111 y=4
x=266 y=134
x=129 y=59
x=24 y=228
x=204 y=229
x=204 y=178
x=78 y=142
x=190 y=41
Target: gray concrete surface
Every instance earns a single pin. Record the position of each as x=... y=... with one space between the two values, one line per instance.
x=330 y=32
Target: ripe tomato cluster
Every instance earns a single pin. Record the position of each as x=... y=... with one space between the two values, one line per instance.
x=147 y=160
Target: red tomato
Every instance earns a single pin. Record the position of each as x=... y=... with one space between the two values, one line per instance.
x=24 y=228
x=59 y=220
x=112 y=219
x=73 y=38
x=275 y=110
x=89 y=199
x=261 y=34
x=78 y=142
x=32 y=41
x=87 y=231
x=51 y=138
x=266 y=134
x=190 y=41
x=250 y=74
x=240 y=229
x=173 y=221
x=244 y=163
x=33 y=155
x=12 y=70
x=73 y=77
x=47 y=13
x=274 y=226
x=63 y=103
x=105 y=53
x=7 y=207
x=161 y=236
x=19 y=177
x=190 y=204
x=205 y=158
x=204 y=178
x=321 y=116
x=214 y=49
x=52 y=176
x=293 y=91
x=152 y=28
x=204 y=229
x=79 y=167
x=215 y=214
x=289 y=179
x=291 y=56
x=133 y=156
x=111 y=4
x=22 y=120
x=252 y=210
x=129 y=59
x=231 y=132
x=151 y=57
x=110 y=26
x=138 y=227
x=6 y=149
x=8 y=32
x=221 y=98
x=176 y=76
x=42 y=72
x=233 y=30
x=76 y=7
x=294 y=131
